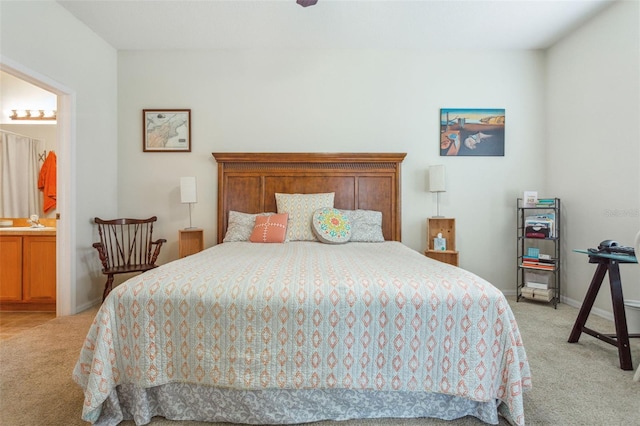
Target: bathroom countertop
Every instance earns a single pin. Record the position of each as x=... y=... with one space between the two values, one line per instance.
x=23 y=230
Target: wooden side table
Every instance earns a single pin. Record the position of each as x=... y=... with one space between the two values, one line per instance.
x=446 y=227
x=446 y=256
x=190 y=241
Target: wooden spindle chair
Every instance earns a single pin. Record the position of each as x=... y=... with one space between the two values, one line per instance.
x=126 y=246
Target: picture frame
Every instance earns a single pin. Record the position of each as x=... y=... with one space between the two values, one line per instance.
x=166 y=130
x=472 y=132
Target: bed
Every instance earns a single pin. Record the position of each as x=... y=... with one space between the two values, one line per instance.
x=304 y=331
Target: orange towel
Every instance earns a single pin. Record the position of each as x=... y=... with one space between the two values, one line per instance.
x=47 y=182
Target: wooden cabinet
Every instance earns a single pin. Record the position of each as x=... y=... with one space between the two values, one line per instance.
x=190 y=241
x=28 y=272
x=39 y=269
x=10 y=269
x=446 y=227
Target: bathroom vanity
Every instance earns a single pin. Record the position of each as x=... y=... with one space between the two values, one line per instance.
x=28 y=269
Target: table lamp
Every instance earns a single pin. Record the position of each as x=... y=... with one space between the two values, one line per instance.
x=188 y=193
x=436 y=184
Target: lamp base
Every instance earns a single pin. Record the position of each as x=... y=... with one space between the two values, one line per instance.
x=191 y=228
x=190 y=225
x=437 y=215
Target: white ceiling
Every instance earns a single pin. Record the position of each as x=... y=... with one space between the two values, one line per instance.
x=220 y=24
x=376 y=24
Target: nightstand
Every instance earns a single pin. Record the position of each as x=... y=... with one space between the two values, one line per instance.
x=190 y=241
x=446 y=227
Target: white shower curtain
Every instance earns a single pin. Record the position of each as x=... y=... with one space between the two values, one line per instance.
x=19 y=170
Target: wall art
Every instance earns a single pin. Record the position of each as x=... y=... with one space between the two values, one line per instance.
x=472 y=132
x=166 y=130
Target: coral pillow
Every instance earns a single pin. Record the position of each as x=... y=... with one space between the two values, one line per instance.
x=331 y=226
x=270 y=229
x=241 y=226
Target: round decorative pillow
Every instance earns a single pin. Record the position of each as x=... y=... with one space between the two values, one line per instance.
x=331 y=226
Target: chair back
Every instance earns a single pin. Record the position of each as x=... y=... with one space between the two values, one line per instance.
x=127 y=242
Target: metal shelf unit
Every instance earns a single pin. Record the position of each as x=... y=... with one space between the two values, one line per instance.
x=549 y=273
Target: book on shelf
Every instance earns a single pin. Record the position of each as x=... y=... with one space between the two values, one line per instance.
x=538 y=260
x=529 y=263
x=546 y=202
x=542 y=286
x=541 y=266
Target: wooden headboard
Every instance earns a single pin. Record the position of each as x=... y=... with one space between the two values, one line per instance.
x=247 y=182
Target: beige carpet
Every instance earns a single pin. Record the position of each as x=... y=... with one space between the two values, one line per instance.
x=574 y=384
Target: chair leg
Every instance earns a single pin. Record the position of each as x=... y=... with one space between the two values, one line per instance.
x=107 y=287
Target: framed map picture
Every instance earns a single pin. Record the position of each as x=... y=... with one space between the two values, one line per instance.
x=166 y=130
x=472 y=132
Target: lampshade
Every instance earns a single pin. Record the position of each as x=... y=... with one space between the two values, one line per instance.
x=188 y=193
x=436 y=178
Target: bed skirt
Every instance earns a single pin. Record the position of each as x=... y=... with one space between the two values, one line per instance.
x=182 y=401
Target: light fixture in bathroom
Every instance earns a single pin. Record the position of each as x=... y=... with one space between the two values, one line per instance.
x=33 y=114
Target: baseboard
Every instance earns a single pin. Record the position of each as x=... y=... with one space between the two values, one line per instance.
x=88 y=305
x=572 y=302
x=595 y=311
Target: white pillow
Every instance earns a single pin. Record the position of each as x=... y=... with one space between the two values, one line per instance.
x=300 y=208
x=241 y=226
x=366 y=225
x=331 y=226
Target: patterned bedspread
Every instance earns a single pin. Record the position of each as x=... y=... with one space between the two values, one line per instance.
x=307 y=315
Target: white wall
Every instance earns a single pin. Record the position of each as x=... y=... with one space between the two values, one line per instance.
x=594 y=141
x=42 y=38
x=346 y=100
x=332 y=101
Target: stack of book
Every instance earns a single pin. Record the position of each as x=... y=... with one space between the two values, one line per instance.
x=538 y=263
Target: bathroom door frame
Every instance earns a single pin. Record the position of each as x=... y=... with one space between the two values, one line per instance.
x=66 y=205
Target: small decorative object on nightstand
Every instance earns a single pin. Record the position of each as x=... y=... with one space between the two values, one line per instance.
x=438 y=229
x=190 y=241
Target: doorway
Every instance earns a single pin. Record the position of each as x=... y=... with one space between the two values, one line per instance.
x=65 y=274
x=29 y=136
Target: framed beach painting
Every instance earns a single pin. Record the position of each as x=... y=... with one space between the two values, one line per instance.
x=471 y=132
x=166 y=130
